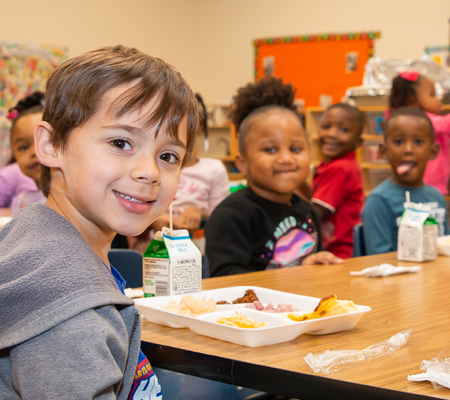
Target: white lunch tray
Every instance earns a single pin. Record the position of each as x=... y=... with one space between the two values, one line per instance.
x=279 y=328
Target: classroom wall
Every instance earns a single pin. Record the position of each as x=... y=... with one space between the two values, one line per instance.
x=210 y=41
x=226 y=30
x=162 y=28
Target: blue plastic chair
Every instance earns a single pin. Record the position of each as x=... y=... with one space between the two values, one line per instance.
x=359 y=248
x=129 y=264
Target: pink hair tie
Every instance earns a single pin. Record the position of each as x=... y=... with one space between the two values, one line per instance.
x=410 y=75
x=12 y=114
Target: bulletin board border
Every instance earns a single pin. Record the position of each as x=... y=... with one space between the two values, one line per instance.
x=372 y=35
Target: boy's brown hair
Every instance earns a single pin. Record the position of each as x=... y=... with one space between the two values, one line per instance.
x=75 y=91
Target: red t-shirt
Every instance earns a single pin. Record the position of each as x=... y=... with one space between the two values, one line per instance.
x=338 y=187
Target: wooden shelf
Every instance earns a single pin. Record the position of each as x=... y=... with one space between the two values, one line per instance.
x=366 y=165
x=227 y=158
x=235 y=176
x=372 y=137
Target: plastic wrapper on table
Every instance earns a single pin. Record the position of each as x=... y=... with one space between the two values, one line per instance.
x=380 y=72
x=334 y=360
x=437 y=371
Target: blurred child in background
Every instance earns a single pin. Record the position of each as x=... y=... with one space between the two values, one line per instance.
x=27 y=114
x=409 y=145
x=266 y=225
x=337 y=187
x=21 y=176
x=412 y=89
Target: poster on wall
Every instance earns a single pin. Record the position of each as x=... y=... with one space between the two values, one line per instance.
x=24 y=68
x=320 y=67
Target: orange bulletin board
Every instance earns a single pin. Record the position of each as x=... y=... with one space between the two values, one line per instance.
x=316 y=65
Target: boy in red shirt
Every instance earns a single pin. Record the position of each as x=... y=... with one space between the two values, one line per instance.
x=337 y=187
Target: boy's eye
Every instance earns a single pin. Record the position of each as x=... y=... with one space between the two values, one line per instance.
x=296 y=149
x=343 y=130
x=121 y=144
x=325 y=126
x=270 y=150
x=398 y=142
x=170 y=158
x=418 y=142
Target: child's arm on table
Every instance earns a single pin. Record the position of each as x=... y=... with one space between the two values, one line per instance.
x=82 y=358
x=378 y=225
x=322 y=257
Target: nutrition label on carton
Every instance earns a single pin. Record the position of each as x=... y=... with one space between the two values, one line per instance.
x=172 y=264
x=156 y=276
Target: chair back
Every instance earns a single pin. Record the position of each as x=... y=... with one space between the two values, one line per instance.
x=359 y=248
x=129 y=264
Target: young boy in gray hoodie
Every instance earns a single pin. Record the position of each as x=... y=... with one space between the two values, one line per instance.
x=116 y=129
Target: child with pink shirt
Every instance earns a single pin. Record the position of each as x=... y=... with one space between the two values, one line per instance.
x=410 y=88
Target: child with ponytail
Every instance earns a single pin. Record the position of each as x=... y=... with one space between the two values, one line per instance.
x=412 y=89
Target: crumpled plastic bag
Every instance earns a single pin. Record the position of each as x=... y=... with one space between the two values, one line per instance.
x=385 y=270
x=437 y=371
x=334 y=360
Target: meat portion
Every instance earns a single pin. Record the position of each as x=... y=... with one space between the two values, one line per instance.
x=257 y=305
x=249 y=297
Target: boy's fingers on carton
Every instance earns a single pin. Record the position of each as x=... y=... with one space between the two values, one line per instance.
x=322 y=257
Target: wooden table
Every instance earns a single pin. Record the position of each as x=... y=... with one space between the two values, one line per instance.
x=420 y=302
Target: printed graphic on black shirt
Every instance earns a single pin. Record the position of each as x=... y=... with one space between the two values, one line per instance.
x=293 y=239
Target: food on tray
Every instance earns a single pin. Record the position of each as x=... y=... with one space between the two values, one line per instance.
x=249 y=297
x=281 y=307
x=327 y=307
x=241 y=321
x=191 y=306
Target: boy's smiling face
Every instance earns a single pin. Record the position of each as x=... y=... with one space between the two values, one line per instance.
x=339 y=133
x=276 y=159
x=408 y=148
x=114 y=175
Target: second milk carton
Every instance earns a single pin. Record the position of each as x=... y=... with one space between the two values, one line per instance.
x=417 y=234
x=172 y=264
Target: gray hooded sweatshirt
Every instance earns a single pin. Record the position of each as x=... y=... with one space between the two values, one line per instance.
x=66 y=330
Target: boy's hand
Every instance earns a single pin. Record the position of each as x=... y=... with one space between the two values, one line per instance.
x=322 y=257
x=191 y=217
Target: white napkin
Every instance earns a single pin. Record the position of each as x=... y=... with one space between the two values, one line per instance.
x=133 y=293
x=385 y=270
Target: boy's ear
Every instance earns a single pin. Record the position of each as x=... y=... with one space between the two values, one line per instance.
x=383 y=151
x=241 y=163
x=435 y=149
x=47 y=154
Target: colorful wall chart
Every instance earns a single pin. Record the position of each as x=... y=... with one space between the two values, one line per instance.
x=24 y=68
x=317 y=65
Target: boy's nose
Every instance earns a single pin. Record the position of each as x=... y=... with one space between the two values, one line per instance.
x=333 y=131
x=408 y=146
x=146 y=171
x=285 y=156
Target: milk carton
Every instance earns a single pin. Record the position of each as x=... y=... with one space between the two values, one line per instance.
x=172 y=264
x=417 y=234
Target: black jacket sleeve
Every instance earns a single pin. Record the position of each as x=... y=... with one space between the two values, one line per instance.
x=229 y=241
